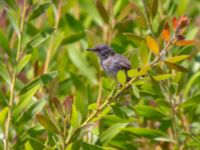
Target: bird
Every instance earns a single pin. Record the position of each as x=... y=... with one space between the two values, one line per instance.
x=111 y=61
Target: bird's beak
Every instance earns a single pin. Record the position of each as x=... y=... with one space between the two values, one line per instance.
x=90 y=49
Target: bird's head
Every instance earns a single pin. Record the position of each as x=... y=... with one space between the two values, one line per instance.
x=103 y=51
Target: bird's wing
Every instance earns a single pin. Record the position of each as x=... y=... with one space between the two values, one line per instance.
x=122 y=62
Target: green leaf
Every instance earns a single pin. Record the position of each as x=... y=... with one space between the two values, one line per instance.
x=46 y=123
x=124 y=12
x=132 y=72
x=87 y=146
x=111 y=132
x=23 y=62
x=135 y=91
x=12 y=16
x=4 y=43
x=177 y=58
x=11 y=3
x=33 y=144
x=162 y=77
x=73 y=38
x=144 y=70
x=4 y=72
x=107 y=83
x=144 y=53
x=190 y=83
x=81 y=95
x=149 y=112
x=39 y=38
x=3 y=115
x=25 y=101
x=41 y=80
x=144 y=132
x=74 y=24
x=154 y=8
x=28 y=146
x=164 y=139
x=121 y=77
x=176 y=67
x=102 y=11
x=39 y=10
x=75 y=117
x=102 y=114
x=192 y=101
x=134 y=37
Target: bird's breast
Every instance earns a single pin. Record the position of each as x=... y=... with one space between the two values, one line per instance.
x=109 y=66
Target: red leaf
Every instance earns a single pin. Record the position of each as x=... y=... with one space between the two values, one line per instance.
x=166 y=33
x=183 y=22
x=175 y=23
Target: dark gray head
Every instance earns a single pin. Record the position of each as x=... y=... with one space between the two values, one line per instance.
x=103 y=51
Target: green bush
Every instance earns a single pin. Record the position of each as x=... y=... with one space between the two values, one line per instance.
x=54 y=94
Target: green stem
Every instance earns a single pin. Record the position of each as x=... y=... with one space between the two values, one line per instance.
x=50 y=49
x=12 y=90
x=148 y=17
x=174 y=125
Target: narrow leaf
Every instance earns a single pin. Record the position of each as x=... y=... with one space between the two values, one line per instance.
x=162 y=77
x=102 y=11
x=185 y=42
x=23 y=62
x=92 y=147
x=144 y=132
x=176 y=67
x=111 y=132
x=166 y=33
x=73 y=38
x=149 y=112
x=193 y=79
x=13 y=20
x=144 y=54
x=134 y=37
x=25 y=100
x=42 y=80
x=3 y=115
x=136 y=91
x=121 y=77
x=192 y=101
x=125 y=11
x=46 y=123
x=4 y=72
x=74 y=117
x=4 y=43
x=34 y=144
x=177 y=58
x=154 y=8
x=39 y=38
x=39 y=10
x=152 y=45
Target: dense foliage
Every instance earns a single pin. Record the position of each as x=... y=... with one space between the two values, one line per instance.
x=54 y=94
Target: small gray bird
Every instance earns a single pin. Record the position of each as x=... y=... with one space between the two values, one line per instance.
x=111 y=61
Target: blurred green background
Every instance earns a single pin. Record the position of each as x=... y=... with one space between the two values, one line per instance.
x=53 y=62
